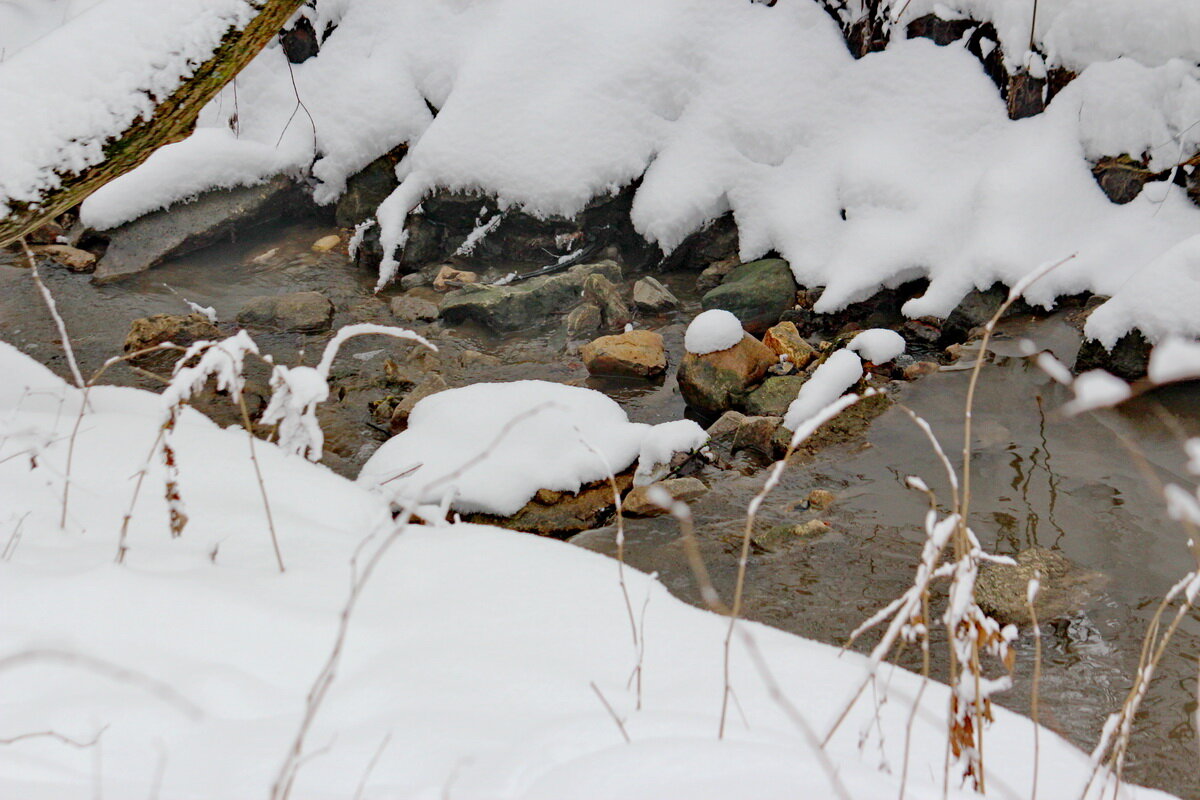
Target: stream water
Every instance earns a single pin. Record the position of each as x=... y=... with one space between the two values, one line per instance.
x=1039 y=479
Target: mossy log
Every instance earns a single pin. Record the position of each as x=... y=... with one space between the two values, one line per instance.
x=174 y=119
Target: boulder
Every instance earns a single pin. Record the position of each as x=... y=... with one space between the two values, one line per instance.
x=638 y=504
x=584 y=319
x=757 y=293
x=526 y=304
x=651 y=296
x=602 y=292
x=303 y=312
x=366 y=190
x=638 y=354
x=184 y=227
x=180 y=329
x=774 y=396
x=714 y=382
x=407 y=308
x=552 y=513
x=784 y=339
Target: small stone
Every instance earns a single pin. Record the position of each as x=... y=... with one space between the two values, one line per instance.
x=72 y=258
x=782 y=536
x=639 y=354
x=413 y=280
x=921 y=331
x=407 y=308
x=956 y=351
x=785 y=340
x=714 y=382
x=650 y=295
x=820 y=499
x=920 y=370
x=604 y=293
x=638 y=503
x=449 y=278
x=326 y=243
x=432 y=384
x=303 y=312
x=584 y=319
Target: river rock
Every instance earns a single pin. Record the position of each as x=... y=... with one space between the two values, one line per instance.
x=774 y=396
x=366 y=190
x=407 y=308
x=584 y=319
x=326 y=243
x=784 y=339
x=780 y=537
x=638 y=504
x=1001 y=589
x=302 y=312
x=638 y=354
x=525 y=304
x=448 y=278
x=72 y=258
x=920 y=369
x=1128 y=359
x=820 y=499
x=553 y=513
x=430 y=385
x=757 y=293
x=651 y=296
x=180 y=329
x=712 y=275
x=184 y=227
x=414 y=280
x=714 y=382
x=602 y=292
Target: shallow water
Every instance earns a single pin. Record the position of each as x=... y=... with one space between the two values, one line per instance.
x=1038 y=478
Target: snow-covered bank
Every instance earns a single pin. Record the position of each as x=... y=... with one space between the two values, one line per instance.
x=470 y=660
x=862 y=173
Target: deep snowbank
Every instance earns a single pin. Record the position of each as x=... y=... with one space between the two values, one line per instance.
x=470 y=658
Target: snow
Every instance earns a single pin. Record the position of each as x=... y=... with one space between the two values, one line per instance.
x=1096 y=389
x=536 y=434
x=712 y=331
x=469 y=661
x=1174 y=359
x=660 y=444
x=840 y=371
x=877 y=345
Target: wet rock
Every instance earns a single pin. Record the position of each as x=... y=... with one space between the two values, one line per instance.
x=714 y=382
x=326 y=243
x=367 y=189
x=180 y=329
x=977 y=308
x=300 y=42
x=1122 y=177
x=1001 y=590
x=785 y=340
x=774 y=396
x=449 y=278
x=758 y=434
x=584 y=319
x=638 y=354
x=430 y=385
x=72 y=258
x=715 y=242
x=714 y=273
x=602 y=292
x=757 y=293
x=923 y=331
x=820 y=499
x=302 y=312
x=651 y=296
x=562 y=513
x=407 y=308
x=920 y=369
x=1026 y=95
x=1128 y=359
x=848 y=426
x=638 y=504
x=525 y=304
x=184 y=227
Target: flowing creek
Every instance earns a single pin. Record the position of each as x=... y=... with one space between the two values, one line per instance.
x=1039 y=479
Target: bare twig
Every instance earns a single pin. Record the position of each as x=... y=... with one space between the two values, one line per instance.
x=362 y=784
x=53 y=308
x=611 y=712
x=67 y=740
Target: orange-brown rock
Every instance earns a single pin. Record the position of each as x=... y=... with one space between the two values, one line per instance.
x=784 y=339
x=714 y=382
x=639 y=354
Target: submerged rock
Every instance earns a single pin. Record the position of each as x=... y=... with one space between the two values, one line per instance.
x=714 y=382
x=638 y=503
x=72 y=258
x=180 y=329
x=525 y=304
x=757 y=293
x=184 y=227
x=1001 y=589
x=302 y=312
x=638 y=354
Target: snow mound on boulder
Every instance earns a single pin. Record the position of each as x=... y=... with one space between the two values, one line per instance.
x=877 y=345
x=713 y=331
